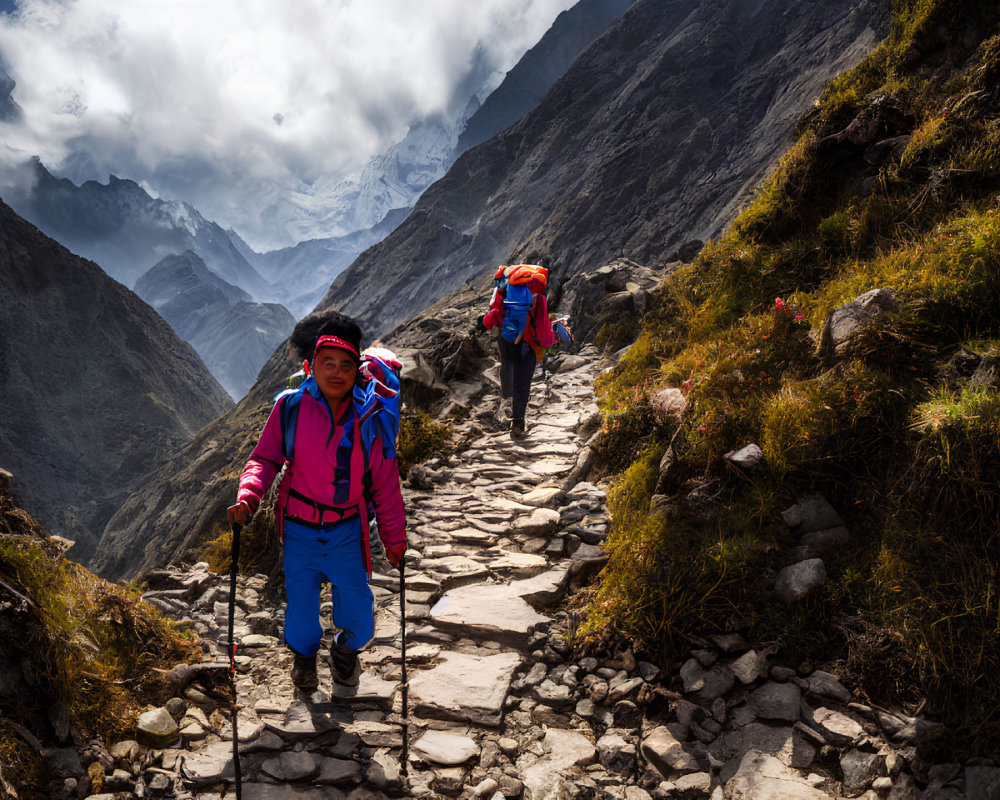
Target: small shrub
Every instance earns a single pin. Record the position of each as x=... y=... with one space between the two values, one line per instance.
x=420 y=438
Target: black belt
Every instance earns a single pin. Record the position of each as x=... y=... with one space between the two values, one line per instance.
x=341 y=513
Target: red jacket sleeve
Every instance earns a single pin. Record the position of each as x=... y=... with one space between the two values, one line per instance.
x=544 y=334
x=265 y=461
x=387 y=494
x=494 y=316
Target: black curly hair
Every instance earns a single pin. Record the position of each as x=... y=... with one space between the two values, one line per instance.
x=323 y=323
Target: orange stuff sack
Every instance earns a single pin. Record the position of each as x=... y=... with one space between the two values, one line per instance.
x=530 y=275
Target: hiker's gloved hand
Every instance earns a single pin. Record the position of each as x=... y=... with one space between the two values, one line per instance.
x=481 y=324
x=395 y=553
x=240 y=513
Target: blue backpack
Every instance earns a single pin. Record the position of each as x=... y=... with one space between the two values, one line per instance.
x=516 y=306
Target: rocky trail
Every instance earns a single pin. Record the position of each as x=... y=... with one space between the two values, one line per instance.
x=499 y=708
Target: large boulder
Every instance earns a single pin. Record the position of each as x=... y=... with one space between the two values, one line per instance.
x=850 y=319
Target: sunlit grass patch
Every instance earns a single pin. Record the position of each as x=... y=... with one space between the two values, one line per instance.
x=94 y=645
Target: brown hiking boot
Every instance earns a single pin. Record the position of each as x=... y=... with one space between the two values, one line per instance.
x=304 y=673
x=344 y=666
x=517 y=429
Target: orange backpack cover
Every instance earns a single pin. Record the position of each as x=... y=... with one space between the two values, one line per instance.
x=532 y=275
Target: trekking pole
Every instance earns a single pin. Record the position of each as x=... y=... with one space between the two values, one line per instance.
x=402 y=630
x=237 y=775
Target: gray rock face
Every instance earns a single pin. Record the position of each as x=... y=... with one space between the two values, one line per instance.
x=680 y=184
x=526 y=84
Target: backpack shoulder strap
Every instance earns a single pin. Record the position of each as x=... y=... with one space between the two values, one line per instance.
x=290 y=400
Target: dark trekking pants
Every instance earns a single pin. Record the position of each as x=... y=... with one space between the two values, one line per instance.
x=518 y=362
x=504 y=367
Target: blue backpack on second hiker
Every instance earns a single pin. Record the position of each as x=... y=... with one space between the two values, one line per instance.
x=517 y=285
x=516 y=305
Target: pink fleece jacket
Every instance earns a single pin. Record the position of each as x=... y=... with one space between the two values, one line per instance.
x=316 y=474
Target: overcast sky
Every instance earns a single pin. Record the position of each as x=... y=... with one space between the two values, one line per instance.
x=187 y=96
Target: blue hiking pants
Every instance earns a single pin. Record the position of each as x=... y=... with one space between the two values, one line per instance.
x=333 y=553
x=518 y=362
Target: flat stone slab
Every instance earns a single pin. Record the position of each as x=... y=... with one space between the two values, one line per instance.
x=472 y=535
x=211 y=765
x=544 y=589
x=764 y=777
x=454 y=570
x=338 y=771
x=838 y=729
x=292 y=766
x=280 y=791
x=542 y=496
x=540 y=522
x=491 y=611
x=370 y=689
x=550 y=467
x=445 y=749
x=465 y=687
x=565 y=751
x=298 y=722
x=521 y=564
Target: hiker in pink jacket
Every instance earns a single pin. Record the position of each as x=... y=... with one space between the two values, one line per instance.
x=336 y=434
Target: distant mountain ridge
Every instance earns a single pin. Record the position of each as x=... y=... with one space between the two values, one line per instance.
x=649 y=140
x=95 y=387
x=232 y=334
x=125 y=230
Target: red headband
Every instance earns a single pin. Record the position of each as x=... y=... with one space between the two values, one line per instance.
x=335 y=341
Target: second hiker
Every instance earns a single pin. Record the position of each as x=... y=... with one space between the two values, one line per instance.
x=518 y=306
x=336 y=434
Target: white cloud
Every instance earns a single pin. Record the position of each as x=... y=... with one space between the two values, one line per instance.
x=205 y=99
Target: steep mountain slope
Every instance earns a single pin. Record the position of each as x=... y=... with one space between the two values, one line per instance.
x=233 y=335
x=184 y=501
x=186 y=293
x=126 y=231
x=647 y=142
x=526 y=84
x=847 y=325
x=240 y=340
x=95 y=387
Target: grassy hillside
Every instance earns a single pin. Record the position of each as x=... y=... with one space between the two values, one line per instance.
x=70 y=640
x=893 y=182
